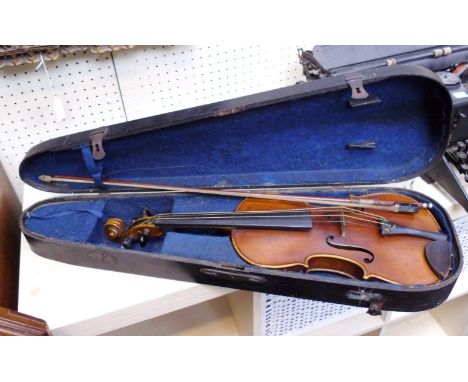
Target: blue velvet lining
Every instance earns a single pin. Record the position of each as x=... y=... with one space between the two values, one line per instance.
x=297 y=142
x=84 y=221
x=72 y=221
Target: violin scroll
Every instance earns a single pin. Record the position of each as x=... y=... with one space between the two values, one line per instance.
x=114 y=228
x=139 y=230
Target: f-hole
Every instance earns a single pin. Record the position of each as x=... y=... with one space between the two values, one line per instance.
x=349 y=247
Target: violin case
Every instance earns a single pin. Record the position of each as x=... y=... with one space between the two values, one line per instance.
x=290 y=140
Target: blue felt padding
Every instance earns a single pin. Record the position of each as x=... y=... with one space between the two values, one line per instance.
x=198 y=203
x=66 y=221
x=291 y=143
x=201 y=247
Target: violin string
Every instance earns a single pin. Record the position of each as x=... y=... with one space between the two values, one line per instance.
x=349 y=209
x=345 y=219
x=236 y=216
x=153 y=219
x=252 y=213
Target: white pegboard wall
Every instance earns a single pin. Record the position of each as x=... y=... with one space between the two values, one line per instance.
x=461 y=226
x=160 y=79
x=85 y=83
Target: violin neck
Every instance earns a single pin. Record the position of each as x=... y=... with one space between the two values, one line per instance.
x=293 y=220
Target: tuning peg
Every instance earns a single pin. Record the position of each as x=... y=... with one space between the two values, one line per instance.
x=127 y=243
x=147 y=212
x=143 y=240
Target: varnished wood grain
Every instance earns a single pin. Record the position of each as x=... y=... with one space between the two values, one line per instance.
x=13 y=323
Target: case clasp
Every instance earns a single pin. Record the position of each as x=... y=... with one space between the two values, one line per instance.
x=374 y=300
x=359 y=95
x=96 y=144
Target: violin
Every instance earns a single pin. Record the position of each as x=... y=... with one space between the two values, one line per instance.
x=370 y=243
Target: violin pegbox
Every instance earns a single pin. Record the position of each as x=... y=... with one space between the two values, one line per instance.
x=139 y=230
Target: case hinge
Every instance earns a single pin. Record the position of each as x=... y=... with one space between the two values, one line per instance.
x=359 y=95
x=96 y=144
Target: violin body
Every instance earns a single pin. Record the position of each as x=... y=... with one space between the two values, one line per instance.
x=397 y=259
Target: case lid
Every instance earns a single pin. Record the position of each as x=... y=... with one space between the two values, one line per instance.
x=324 y=132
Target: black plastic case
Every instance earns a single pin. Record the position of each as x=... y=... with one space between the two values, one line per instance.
x=292 y=139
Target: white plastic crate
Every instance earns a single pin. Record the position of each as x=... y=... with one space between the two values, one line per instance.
x=461 y=226
x=294 y=316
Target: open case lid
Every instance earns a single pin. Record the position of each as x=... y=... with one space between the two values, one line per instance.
x=325 y=132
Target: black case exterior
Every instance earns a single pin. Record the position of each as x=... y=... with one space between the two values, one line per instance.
x=376 y=295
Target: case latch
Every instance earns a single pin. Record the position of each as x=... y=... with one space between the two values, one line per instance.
x=375 y=300
x=96 y=144
x=359 y=95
